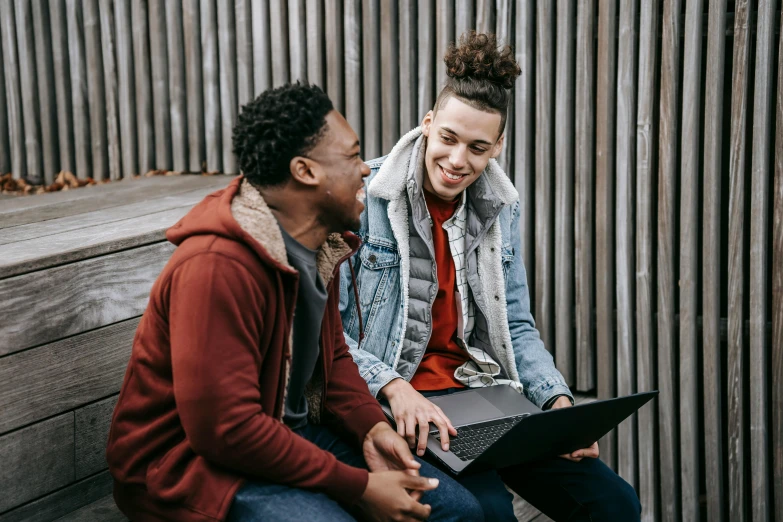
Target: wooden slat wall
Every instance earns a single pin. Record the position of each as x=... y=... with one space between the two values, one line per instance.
x=645 y=268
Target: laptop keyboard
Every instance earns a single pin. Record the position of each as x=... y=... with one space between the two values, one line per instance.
x=473 y=439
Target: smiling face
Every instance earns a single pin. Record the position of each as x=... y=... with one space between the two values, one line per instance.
x=460 y=142
x=340 y=170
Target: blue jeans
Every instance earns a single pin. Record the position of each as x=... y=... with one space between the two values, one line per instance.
x=260 y=501
x=563 y=490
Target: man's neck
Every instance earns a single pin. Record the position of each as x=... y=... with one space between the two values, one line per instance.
x=295 y=215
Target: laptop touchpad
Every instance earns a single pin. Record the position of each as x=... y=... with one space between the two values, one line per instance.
x=467 y=408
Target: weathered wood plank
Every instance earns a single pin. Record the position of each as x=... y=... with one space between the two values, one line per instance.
x=624 y=238
x=211 y=78
x=191 y=30
x=62 y=82
x=262 y=58
x=667 y=168
x=604 y=211
x=95 y=91
x=91 y=433
x=544 y=139
x=334 y=53
x=776 y=312
x=466 y=16
x=584 y=174
x=390 y=65
x=524 y=100
x=228 y=82
x=108 y=42
x=564 y=189
x=161 y=102
x=156 y=203
x=92 y=283
x=353 y=67
x=711 y=260
x=104 y=510
x=127 y=89
x=735 y=360
x=278 y=18
x=47 y=100
x=36 y=460
x=79 y=90
x=63 y=375
x=13 y=90
x=371 y=76
x=758 y=268
x=175 y=41
x=63 y=501
x=314 y=15
x=25 y=40
x=426 y=59
x=244 y=35
x=645 y=171
x=297 y=40
x=689 y=275
x=74 y=202
x=143 y=96
x=444 y=35
x=409 y=116
x=23 y=257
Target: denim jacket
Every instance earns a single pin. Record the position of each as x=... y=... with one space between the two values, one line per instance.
x=381 y=267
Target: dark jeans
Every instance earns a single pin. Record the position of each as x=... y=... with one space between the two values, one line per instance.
x=260 y=501
x=563 y=490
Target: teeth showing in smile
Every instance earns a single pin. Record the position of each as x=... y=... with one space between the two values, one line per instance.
x=450 y=175
x=361 y=196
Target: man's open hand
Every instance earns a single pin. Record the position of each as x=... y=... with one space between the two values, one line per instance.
x=575 y=456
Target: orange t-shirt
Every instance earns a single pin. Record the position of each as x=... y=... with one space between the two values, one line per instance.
x=443 y=355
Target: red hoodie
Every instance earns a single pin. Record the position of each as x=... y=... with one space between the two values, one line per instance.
x=202 y=401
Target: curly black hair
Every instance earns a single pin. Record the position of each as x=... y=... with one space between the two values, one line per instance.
x=277 y=126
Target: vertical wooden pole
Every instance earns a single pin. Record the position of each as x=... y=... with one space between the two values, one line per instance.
x=668 y=405
x=711 y=260
x=125 y=80
x=191 y=31
x=30 y=109
x=175 y=41
x=159 y=55
x=645 y=201
x=564 y=189
x=315 y=43
x=262 y=57
x=47 y=100
x=108 y=44
x=79 y=89
x=371 y=77
x=409 y=116
x=297 y=41
x=228 y=81
x=62 y=83
x=13 y=89
x=390 y=65
x=95 y=89
x=335 y=54
x=143 y=101
x=584 y=180
x=353 y=67
x=211 y=71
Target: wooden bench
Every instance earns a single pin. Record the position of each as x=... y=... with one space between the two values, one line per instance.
x=76 y=269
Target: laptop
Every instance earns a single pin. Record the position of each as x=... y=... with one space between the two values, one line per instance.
x=498 y=427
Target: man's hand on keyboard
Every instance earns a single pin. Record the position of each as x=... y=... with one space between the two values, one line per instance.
x=575 y=456
x=412 y=409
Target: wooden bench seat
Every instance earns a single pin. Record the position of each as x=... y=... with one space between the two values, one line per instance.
x=76 y=269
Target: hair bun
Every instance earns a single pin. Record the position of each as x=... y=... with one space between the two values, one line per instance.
x=478 y=57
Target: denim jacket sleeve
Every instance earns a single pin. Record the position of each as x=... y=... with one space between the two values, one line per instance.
x=535 y=365
x=373 y=370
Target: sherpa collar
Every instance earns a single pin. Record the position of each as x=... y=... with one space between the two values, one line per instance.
x=253 y=215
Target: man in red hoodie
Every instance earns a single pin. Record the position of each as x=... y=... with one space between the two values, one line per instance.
x=241 y=401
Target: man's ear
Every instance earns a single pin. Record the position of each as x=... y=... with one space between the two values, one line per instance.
x=498 y=147
x=426 y=123
x=304 y=170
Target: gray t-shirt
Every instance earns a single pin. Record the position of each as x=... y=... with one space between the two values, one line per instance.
x=308 y=315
